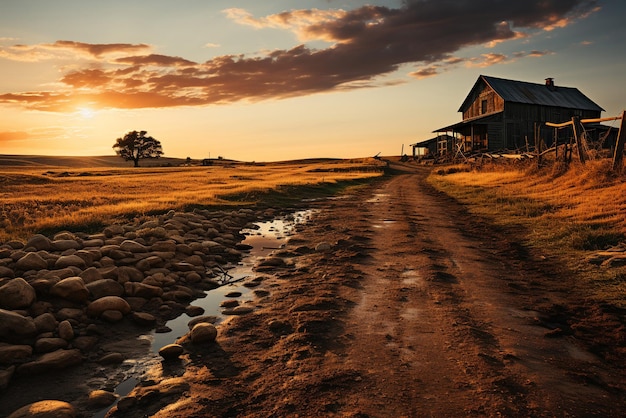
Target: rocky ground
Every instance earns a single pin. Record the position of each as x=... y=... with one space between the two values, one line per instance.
x=394 y=301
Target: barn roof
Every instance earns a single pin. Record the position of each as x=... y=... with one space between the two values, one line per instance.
x=532 y=93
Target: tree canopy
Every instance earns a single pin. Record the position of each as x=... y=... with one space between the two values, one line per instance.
x=135 y=146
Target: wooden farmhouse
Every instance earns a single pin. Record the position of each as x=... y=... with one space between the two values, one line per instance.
x=500 y=114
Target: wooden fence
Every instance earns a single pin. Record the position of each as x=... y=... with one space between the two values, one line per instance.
x=577 y=141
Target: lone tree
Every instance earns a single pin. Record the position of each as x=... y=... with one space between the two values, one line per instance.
x=136 y=145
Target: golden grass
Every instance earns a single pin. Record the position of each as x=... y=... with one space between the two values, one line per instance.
x=567 y=213
x=43 y=198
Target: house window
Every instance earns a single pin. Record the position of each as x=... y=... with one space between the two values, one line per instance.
x=483 y=107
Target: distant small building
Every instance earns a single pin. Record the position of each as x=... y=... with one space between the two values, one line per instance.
x=500 y=114
x=433 y=147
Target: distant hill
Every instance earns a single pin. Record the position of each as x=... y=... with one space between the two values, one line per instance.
x=82 y=162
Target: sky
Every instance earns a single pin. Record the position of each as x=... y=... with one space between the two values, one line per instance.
x=277 y=80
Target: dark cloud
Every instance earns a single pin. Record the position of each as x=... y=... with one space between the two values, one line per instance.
x=366 y=43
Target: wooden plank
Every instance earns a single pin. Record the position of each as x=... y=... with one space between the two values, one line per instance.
x=618 y=158
x=598 y=120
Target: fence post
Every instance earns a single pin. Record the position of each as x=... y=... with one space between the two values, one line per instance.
x=618 y=158
x=578 y=138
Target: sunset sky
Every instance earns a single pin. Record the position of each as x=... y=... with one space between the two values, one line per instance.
x=275 y=80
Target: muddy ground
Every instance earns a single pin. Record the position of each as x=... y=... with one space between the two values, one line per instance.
x=417 y=309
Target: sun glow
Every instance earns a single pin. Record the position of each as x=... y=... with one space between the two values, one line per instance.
x=86 y=112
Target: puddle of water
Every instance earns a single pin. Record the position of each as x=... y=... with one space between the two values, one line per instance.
x=412 y=277
x=268 y=237
x=377 y=197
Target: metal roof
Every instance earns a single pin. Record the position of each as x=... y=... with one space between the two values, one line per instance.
x=534 y=93
x=477 y=120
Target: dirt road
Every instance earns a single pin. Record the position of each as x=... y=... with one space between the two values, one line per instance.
x=417 y=310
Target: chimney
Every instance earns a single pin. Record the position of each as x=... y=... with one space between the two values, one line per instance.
x=550 y=84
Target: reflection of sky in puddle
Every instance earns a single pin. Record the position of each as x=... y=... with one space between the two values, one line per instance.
x=377 y=197
x=268 y=237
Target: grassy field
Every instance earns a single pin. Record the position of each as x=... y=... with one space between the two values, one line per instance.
x=39 y=197
x=565 y=213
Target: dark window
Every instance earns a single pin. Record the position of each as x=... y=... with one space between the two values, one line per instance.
x=483 y=107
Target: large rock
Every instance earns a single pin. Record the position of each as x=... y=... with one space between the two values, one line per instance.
x=39 y=242
x=91 y=275
x=133 y=247
x=17 y=294
x=13 y=324
x=66 y=331
x=72 y=288
x=70 y=261
x=105 y=287
x=9 y=354
x=108 y=303
x=203 y=333
x=56 y=360
x=171 y=351
x=46 y=322
x=48 y=345
x=142 y=290
x=6 y=272
x=31 y=261
x=45 y=409
x=66 y=244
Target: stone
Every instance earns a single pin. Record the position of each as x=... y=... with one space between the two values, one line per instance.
x=203 y=333
x=56 y=360
x=69 y=261
x=66 y=244
x=14 y=324
x=46 y=322
x=171 y=351
x=6 y=272
x=39 y=242
x=48 y=345
x=101 y=398
x=5 y=377
x=142 y=290
x=31 y=261
x=45 y=409
x=229 y=303
x=192 y=310
x=72 y=288
x=129 y=274
x=323 y=247
x=113 y=230
x=105 y=287
x=70 y=313
x=11 y=353
x=238 y=310
x=17 y=294
x=133 y=247
x=107 y=303
x=85 y=342
x=111 y=358
x=164 y=246
x=63 y=235
x=143 y=319
x=91 y=275
x=111 y=316
x=66 y=331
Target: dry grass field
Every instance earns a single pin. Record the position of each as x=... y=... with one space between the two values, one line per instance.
x=566 y=213
x=38 y=197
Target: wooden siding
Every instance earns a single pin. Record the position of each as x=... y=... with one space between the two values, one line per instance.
x=490 y=98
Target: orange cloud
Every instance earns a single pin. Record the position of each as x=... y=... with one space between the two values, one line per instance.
x=368 y=42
